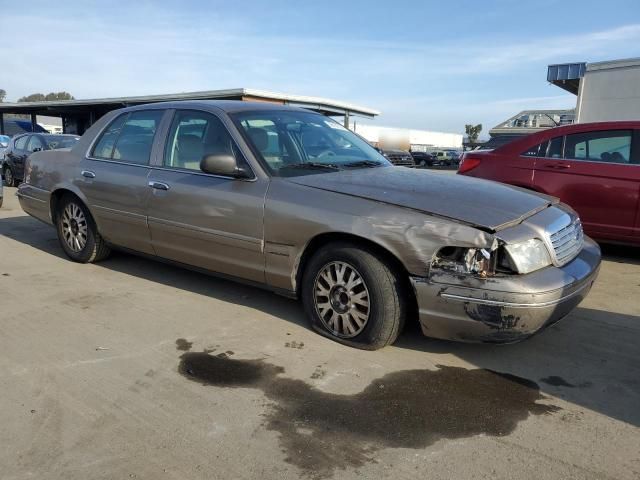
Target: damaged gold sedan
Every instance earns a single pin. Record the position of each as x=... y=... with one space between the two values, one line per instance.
x=290 y=200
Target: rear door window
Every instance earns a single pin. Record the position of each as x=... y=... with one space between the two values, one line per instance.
x=610 y=146
x=129 y=138
x=21 y=143
x=35 y=144
x=104 y=147
x=136 y=138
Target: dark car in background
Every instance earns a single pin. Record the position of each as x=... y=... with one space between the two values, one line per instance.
x=593 y=167
x=400 y=158
x=424 y=159
x=4 y=143
x=21 y=146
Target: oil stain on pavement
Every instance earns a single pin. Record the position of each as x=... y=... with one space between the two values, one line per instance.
x=322 y=432
x=183 y=345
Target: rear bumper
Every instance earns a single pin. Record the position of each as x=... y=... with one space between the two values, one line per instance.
x=501 y=313
x=35 y=202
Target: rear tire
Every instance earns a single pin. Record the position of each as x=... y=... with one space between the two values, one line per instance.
x=353 y=296
x=77 y=232
x=9 y=179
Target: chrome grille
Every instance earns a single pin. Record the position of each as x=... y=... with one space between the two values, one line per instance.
x=567 y=242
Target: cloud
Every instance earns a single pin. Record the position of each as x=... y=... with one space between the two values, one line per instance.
x=145 y=49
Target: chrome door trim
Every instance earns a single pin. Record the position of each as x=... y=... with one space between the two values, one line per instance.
x=221 y=236
x=203 y=174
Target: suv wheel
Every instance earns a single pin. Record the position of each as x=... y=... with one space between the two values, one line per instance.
x=353 y=296
x=77 y=232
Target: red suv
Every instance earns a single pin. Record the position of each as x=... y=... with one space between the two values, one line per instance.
x=594 y=167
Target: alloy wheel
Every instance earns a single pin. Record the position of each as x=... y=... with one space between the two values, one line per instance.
x=74 y=227
x=341 y=299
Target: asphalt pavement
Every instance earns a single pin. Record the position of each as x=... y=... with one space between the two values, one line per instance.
x=132 y=368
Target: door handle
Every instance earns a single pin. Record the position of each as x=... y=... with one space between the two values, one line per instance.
x=159 y=185
x=88 y=174
x=562 y=166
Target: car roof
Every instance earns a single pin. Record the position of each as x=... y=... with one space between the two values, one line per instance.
x=544 y=135
x=228 y=106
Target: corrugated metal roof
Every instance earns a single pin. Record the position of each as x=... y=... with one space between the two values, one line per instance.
x=318 y=103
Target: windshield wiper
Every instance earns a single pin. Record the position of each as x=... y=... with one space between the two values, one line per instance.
x=363 y=163
x=312 y=165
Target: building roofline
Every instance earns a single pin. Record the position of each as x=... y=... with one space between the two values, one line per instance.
x=319 y=103
x=608 y=64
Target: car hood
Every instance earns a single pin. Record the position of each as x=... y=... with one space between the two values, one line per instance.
x=482 y=203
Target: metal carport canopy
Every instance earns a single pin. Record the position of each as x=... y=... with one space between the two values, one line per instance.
x=92 y=109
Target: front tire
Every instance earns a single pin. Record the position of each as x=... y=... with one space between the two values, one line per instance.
x=353 y=296
x=77 y=232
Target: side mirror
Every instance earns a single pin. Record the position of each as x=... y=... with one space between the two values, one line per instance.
x=222 y=164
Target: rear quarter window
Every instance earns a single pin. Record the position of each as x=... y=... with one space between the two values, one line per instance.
x=538 y=150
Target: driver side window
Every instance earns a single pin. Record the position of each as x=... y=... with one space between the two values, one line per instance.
x=193 y=136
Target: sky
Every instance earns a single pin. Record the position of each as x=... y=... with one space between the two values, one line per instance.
x=431 y=65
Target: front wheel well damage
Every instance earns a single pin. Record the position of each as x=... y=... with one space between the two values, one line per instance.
x=382 y=253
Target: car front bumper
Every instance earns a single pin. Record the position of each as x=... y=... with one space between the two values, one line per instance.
x=504 y=309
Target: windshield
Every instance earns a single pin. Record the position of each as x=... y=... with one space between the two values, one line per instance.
x=4 y=140
x=60 y=141
x=301 y=143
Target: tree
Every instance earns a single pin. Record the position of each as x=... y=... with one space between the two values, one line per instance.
x=59 y=96
x=473 y=132
x=39 y=97
x=3 y=95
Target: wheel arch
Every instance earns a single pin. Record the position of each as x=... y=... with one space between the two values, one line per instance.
x=322 y=239
x=58 y=193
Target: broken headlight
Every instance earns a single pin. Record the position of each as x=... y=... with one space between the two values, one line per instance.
x=528 y=256
x=465 y=261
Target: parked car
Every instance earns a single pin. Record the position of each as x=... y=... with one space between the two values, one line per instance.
x=454 y=155
x=443 y=157
x=249 y=195
x=21 y=146
x=594 y=167
x=423 y=159
x=4 y=143
x=400 y=158
x=16 y=126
